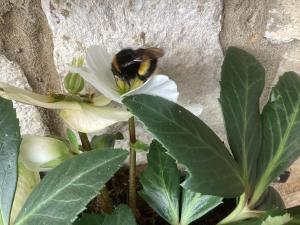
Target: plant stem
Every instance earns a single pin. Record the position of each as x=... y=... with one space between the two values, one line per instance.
x=132 y=166
x=86 y=145
x=105 y=200
x=241 y=212
x=235 y=214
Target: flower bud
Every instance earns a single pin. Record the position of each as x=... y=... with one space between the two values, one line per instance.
x=42 y=153
x=73 y=83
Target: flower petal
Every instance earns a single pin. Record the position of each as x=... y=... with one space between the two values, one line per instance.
x=37 y=150
x=13 y=93
x=90 y=118
x=27 y=181
x=196 y=109
x=157 y=85
x=101 y=100
x=98 y=72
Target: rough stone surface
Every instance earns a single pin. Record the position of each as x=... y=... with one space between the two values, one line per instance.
x=283 y=21
x=29 y=117
x=25 y=38
x=188 y=32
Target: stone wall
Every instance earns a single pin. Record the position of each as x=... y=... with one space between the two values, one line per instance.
x=38 y=38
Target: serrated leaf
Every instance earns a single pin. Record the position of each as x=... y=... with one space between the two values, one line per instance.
x=242 y=82
x=9 y=149
x=192 y=143
x=295 y=213
x=281 y=126
x=121 y=216
x=161 y=184
x=90 y=219
x=273 y=217
x=195 y=205
x=66 y=190
x=277 y=220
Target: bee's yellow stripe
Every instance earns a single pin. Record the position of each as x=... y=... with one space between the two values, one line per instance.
x=144 y=67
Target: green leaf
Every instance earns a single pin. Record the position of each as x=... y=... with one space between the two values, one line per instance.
x=195 y=205
x=106 y=140
x=192 y=143
x=242 y=82
x=273 y=217
x=271 y=199
x=277 y=220
x=281 y=126
x=161 y=184
x=66 y=190
x=9 y=149
x=121 y=216
x=73 y=141
x=90 y=219
x=140 y=146
x=295 y=213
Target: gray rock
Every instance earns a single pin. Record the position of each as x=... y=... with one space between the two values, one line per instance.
x=188 y=31
x=283 y=23
x=29 y=117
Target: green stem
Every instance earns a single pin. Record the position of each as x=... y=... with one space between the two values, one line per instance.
x=241 y=212
x=105 y=200
x=132 y=165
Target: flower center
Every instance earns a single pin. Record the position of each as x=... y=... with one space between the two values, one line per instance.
x=125 y=86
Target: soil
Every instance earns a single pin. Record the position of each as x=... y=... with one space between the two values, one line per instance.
x=118 y=187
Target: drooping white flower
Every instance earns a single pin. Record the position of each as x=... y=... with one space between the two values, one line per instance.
x=81 y=116
x=98 y=73
x=39 y=153
x=93 y=116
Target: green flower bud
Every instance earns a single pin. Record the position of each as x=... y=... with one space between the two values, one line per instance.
x=73 y=83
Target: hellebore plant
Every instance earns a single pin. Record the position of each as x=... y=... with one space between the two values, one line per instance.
x=263 y=144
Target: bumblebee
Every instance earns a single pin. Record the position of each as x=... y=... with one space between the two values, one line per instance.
x=129 y=64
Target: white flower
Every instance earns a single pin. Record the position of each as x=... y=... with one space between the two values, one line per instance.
x=39 y=153
x=93 y=116
x=81 y=116
x=98 y=73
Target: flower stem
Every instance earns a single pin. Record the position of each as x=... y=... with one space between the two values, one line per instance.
x=105 y=200
x=86 y=145
x=132 y=166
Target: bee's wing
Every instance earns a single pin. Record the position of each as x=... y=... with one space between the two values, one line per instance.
x=150 y=53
